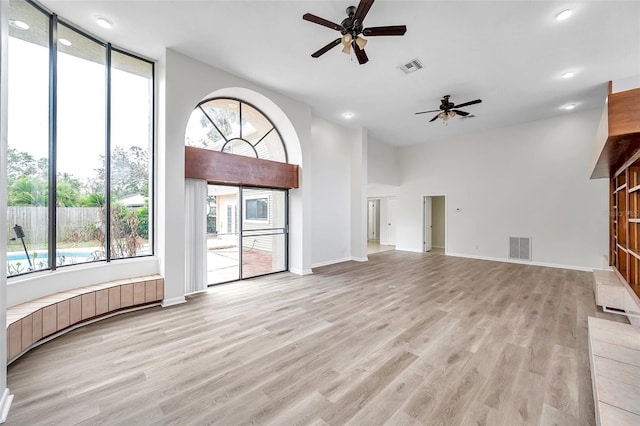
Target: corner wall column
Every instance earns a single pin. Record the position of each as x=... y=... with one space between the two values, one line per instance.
x=5 y=395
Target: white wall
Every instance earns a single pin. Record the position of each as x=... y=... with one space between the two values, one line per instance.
x=359 y=197
x=382 y=161
x=331 y=201
x=530 y=180
x=336 y=173
x=625 y=84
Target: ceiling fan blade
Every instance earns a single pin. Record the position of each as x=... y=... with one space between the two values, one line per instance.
x=434 y=118
x=392 y=30
x=477 y=101
x=327 y=48
x=362 y=10
x=462 y=113
x=321 y=21
x=360 y=53
x=424 y=112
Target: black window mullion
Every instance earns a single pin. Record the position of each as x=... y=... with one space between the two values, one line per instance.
x=107 y=156
x=240 y=119
x=53 y=126
x=265 y=135
x=213 y=124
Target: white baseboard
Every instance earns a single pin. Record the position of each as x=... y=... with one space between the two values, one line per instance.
x=360 y=259
x=438 y=247
x=521 y=262
x=331 y=262
x=300 y=271
x=5 y=404
x=173 y=301
x=408 y=249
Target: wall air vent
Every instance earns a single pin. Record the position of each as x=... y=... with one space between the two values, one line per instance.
x=520 y=248
x=412 y=66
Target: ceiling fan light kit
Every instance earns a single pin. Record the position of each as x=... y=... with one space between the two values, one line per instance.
x=448 y=110
x=351 y=28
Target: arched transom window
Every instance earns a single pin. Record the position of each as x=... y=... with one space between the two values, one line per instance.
x=236 y=127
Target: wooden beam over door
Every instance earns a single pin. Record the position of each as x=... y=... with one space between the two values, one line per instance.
x=221 y=167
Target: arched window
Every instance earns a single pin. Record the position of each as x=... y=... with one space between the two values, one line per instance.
x=236 y=127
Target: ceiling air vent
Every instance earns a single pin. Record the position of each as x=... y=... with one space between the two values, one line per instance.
x=520 y=248
x=412 y=66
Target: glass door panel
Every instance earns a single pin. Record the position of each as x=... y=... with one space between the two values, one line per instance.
x=223 y=234
x=264 y=231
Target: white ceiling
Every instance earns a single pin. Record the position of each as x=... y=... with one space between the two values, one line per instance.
x=508 y=53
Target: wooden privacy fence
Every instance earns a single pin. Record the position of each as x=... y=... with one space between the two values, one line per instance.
x=74 y=223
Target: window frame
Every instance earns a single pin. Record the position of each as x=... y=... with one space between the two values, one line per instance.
x=229 y=140
x=245 y=209
x=54 y=21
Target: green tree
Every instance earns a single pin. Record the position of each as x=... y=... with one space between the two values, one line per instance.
x=25 y=191
x=67 y=191
x=129 y=173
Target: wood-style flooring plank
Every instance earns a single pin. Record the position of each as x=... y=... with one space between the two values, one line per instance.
x=404 y=339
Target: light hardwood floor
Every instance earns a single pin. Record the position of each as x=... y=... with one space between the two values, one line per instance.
x=404 y=339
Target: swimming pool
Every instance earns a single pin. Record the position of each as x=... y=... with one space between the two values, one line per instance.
x=41 y=255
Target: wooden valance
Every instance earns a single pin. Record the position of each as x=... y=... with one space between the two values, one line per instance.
x=622 y=144
x=221 y=168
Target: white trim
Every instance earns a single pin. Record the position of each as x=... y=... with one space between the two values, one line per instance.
x=173 y=301
x=360 y=259
x=331 y=262
x=520 y=262
x=5 y=404
x=300 y=271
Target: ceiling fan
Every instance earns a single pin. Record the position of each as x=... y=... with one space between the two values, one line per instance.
x=351 y=28
x=449 y=109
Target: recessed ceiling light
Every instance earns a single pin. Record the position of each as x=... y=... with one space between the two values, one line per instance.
x=569 y=107
x=65 y=42
x=103 y=22
x=19 y=24
x=565 y=14
x=568 y=74
x=347 y=115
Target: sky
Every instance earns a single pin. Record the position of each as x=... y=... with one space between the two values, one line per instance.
x=81 y=108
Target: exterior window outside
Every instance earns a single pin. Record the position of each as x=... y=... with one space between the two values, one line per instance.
x=235 y=127
x=59 y=212
x=257 y=209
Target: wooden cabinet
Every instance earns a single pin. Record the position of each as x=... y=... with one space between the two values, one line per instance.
x=625 y=225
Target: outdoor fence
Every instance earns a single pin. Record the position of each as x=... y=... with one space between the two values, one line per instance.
x=73 y=223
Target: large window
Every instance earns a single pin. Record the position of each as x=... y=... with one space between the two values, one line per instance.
x=80 y=146
x=235 y=127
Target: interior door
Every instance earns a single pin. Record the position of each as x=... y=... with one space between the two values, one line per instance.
x=371 y=220
x=391 y=224
x=427 y=223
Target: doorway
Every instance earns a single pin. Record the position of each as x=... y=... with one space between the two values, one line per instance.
x=381 y=227
x=434 y=236
x=247 y=232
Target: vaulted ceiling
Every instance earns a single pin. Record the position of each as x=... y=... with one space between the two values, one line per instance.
x=511 y=54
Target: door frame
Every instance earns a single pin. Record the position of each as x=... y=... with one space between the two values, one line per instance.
x=446 y=228
x=239 y=228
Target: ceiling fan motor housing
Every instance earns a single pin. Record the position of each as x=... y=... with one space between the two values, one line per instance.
x=349 y=26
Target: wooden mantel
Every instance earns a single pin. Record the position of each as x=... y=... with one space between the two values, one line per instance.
x=620 y=125
x=224 y=168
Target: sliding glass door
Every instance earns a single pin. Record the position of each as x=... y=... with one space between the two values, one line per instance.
x=264 y=231
x=246 y=232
